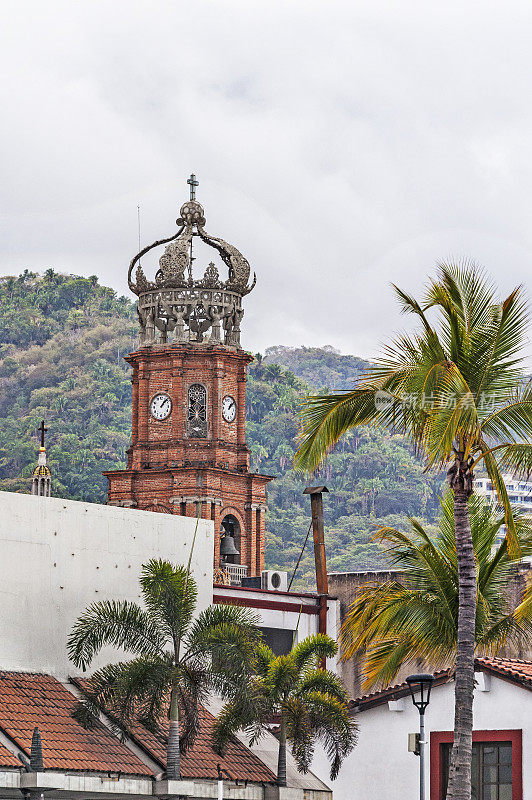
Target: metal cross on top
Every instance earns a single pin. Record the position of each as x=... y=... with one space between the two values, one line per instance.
x=192 y=182
x=42 y=430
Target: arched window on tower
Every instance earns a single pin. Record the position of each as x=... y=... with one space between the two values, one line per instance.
x=231 y=526
x=197 y=411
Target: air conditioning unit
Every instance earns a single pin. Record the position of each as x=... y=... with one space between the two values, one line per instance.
x=274 y=580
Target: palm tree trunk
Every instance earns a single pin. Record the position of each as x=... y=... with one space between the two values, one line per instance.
x=281 y=761
x=459 y=786
x=173 y=756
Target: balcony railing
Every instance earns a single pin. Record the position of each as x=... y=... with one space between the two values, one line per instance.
x=236 y=572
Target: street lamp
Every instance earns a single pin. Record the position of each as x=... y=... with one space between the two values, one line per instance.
x=421 y=684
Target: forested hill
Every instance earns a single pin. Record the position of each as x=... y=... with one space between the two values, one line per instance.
x=62 y=342
x=320 y=367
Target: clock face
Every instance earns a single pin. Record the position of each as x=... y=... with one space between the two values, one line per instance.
x=228 y=408
x=160 y=406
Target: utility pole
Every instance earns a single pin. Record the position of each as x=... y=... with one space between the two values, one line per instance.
x=316 y=507
x=320 y=559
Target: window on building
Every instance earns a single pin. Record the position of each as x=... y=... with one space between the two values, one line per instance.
x=197 y=411
x=491 y=775
x=279 y=640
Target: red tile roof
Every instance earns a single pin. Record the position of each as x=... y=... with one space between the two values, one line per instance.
x=512 y=669
x=29 y=700
x=7 y=759
x=201 y=760
x=366 y=701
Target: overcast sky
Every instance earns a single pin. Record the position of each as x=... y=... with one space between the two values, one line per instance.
x=339 y=145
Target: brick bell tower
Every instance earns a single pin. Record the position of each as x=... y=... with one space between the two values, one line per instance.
x=188 y=446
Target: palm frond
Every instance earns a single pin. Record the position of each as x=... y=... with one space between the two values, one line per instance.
x=511 y=421
x=396 y=622
x=190 y=693
x=170 y=594
x=324 y=681
x=225 y=637
x=299 y=731
x=325 y=418
x=312 y=648
x=513 y=629
x=248 y=713
x=493 y=469
x=263 y=658
x=333 y=725
x=126 y=691
x=498 y=359
x=119 y=624
x=282 y=674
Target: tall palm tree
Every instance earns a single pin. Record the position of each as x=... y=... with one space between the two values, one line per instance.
x=399 y=621
x=177 y=659
x=456 y=389
x=311 y=704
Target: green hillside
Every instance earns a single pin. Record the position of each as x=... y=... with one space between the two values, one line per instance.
x=320 y=367
x=62 y=342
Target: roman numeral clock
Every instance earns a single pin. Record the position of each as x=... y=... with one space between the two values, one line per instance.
x=188 y=444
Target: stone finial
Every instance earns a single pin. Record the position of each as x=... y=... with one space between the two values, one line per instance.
x=36 y=760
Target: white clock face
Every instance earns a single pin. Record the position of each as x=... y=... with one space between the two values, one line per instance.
x=228 y=408
x=160 y=406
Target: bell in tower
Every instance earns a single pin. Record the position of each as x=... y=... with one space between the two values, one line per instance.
x=188 y=452
x=228 y=550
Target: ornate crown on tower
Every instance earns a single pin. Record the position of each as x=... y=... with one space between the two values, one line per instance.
x=176 y=303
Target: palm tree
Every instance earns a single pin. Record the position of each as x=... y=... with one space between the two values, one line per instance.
x=395 y=622
x=456 y=389
x=310 y=702
x=177 y=660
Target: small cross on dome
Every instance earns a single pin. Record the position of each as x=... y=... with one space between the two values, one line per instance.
x=42 y=430
x=192 y=182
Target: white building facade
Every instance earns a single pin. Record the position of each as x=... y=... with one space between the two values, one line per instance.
x=58 y=556
x=519 y=492
x=382 y=767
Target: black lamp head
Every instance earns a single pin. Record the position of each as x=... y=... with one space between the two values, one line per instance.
x=420 y=682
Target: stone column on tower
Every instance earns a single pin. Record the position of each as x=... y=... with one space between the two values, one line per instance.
x=189 y=391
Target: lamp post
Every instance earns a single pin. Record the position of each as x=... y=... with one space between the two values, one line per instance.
x=422 y=684
x=220 y=782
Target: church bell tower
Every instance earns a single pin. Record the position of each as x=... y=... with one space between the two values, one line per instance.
x=188 y=452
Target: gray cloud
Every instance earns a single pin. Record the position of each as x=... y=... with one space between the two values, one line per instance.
x=339 y=145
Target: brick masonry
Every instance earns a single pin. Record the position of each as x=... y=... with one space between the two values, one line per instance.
x=169 y=471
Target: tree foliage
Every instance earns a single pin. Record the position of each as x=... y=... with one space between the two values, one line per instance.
x=311 y=703
x=416 y=616
x=455 y=387
x=61 y=359
x=176 y=659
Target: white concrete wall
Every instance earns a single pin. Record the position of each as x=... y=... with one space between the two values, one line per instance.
x=381 y=766
x=58 y=556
